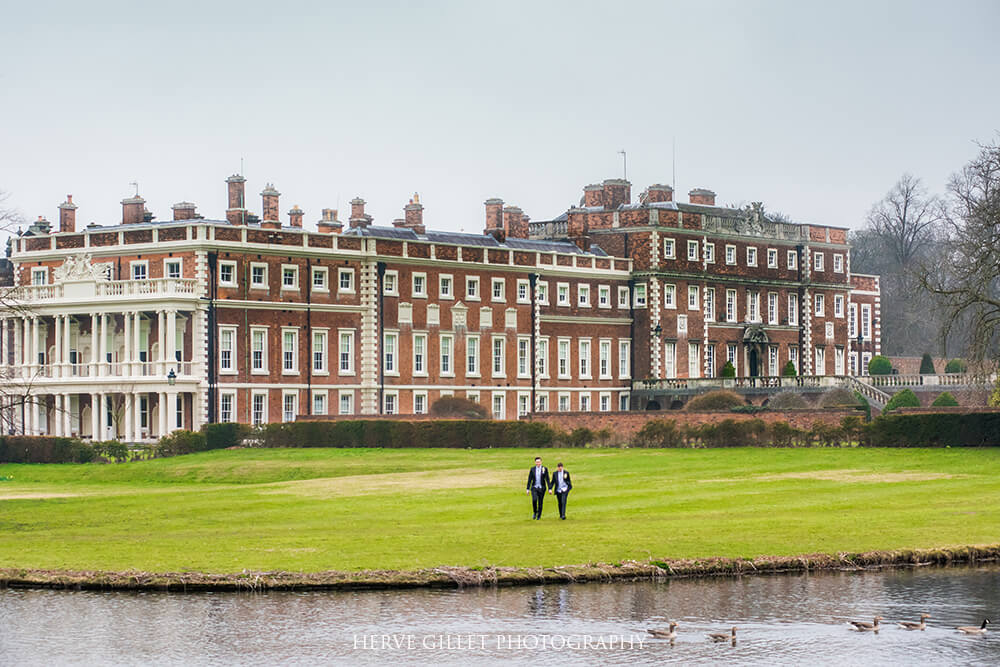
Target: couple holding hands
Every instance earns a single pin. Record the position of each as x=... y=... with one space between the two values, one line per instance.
x=539 y=482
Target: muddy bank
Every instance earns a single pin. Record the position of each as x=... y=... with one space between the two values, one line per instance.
x=460 y=577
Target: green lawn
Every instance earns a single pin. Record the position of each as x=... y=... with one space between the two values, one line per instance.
x=324 y=509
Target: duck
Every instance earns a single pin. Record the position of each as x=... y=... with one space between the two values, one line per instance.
x=973 y=630
x=722 y=636
x=661 y=633
x=862 y=626
x=910 y=625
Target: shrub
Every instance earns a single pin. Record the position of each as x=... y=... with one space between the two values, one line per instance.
x=224 y=434
x=837 y=397
x=789 y=370
x=659 y=433
x=787 y=400
x=112 y=450
x=927 y=364
x=865 y=405
x=44 y=449
x=474 y=434
x=455 y=407
x=826 y=435
x=940 y=429
x=578 y=437
x=955 y=366
x=728 y=371
x=714 y=401
x=945 y=400
x=879 y=365
x=994 y=400
x=902 y=399
x=180 y=442
x=783 y=435
x=852 y=429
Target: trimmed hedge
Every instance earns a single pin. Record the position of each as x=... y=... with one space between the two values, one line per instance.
x=904 y=398
x=935 y=429
x=715 y=400
x=879 y=365
x=945 y=400
x=955 y=366
x=457 y=434
x=44 y=449
x=224 y=434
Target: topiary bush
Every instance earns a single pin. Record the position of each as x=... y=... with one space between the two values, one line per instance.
x=728 y=371
x=180 y=442
x=955 y=366
x=837 y=397
x=789 y=370
x=714 y=401
x=458 y=408
x=787 y=400
x=902 y=399
x=926 y=364
x=879 y=365
x=945 y=400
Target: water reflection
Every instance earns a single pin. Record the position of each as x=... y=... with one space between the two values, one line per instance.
x=788 y=619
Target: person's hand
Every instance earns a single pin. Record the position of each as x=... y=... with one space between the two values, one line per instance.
x=550 y=492
x=527 y=491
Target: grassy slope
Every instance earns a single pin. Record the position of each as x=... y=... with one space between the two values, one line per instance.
x=312 y=510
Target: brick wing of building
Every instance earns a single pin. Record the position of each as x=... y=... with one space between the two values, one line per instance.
x=135 y=329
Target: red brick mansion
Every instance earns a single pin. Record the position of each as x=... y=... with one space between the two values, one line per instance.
x=132 y=330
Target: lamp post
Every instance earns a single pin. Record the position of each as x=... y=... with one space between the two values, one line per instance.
x=171 y=378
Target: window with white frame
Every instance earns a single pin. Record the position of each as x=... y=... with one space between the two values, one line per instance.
x=640 y=295
x=710 y=361
x=772 y=258
x=693 y=297
x=227 y=349
x=604 y=359
x=319 y=338
x=820 y=301
x=623 y=401
x=420 y=354
x=852 y=321
x=692 y=251
x=447 y=350
x=866 y=321
x=623 y=297
x=793 y=260
x=497 y=289
x=320 y=279
x=563 y=402
x=772 y=307
x=584 y=401
x=838 y=266
x=583 y=296
x=523 y=291
x=820 y=361
x=542 y=353
x=389 y=350
x=227 y=406
x=731 y=305
x=319 y=402
x=40 y=275
x=347 y=402
x=670 y=359
x=140 y=271
x=419 y=285
x=389 y=402
x=710 y=304
x=732 y=357
x=694 y=360
x=345 y=352
x=499 y=350
x=584 y=349
x=751 y=256
x=258 y=276
x=730 y=254
x=258 y=408
x=669 y=295
x=710 y=253
x=543 y=292
x=523 y=356
x=838 y=360
x=499 y=408
x=472 y=356
x=838 y=305
x=562 y=294
x=258 y=350
x=669 y=248
x=818 y=261
x=289 y=277
x=793 y=310
x=390 y=283
x=772 y=360
x=523 y=404
x=472 y=288
x=289 y=406
x=563 y=357
x=624 y=359
x=543 y=401
x=793 y=356
x=172 y=268
x=472 y=396
x=345 y=280
x=603 y=296
x=419 y=402
x=445 y=289
x=289 y=350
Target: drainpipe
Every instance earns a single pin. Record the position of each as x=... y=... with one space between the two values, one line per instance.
x=380 y=272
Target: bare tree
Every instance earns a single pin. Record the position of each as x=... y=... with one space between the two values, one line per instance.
x=906 y=220
x=970 y=287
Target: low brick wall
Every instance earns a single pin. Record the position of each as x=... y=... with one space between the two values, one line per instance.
x=960 y=410
x=628 y=424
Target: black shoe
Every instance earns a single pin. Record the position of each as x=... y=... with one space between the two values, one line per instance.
x=563 y=518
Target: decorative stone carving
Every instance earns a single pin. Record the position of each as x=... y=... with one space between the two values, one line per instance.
x=755 y=334
x=79 y=268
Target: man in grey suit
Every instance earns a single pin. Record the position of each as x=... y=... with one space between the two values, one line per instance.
x=562 y=485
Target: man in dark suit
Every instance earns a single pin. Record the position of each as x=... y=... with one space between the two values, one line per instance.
x=562 y=485
x=538 y=482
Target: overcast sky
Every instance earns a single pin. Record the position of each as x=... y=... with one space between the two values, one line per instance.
x=814 y=108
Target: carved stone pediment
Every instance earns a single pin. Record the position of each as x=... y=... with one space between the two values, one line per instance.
x=754 y=333
x=77 y=268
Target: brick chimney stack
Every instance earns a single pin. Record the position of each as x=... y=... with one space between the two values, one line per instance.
x=295 y=216
x=494 y=219
x=67 y=215
x=236 y=214
x=329 y=224
x=270 y=208
x=514 y=224
x=414 y=215
x=577 y=228
x=702 y=196
x=657 y=193
x=617 y=192
x=593 y=195
x=133 y=210
x=358 y=216
x=184 y=210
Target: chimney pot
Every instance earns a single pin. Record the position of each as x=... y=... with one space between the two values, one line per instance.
x=133 y=210
x=184 y=210
x=295 y=216
x=358 y=216
x=413 y=214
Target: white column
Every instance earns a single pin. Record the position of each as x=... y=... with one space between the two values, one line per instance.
x=161 y=400
x=18 y=344
x=104 y=350
x=128 y=398
x=57 y=420
x=95 y=426
x=196 y=411
x=67 y=415
x=126 y=360
x=172 y=340
x=35 y=344
x=137 y=416
x=136 y=341
x=161 y=333
x=35 y=416
x=172 y=412
x=93 y=345
x=56 y=361
x=67 y=369
x=102 y=417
